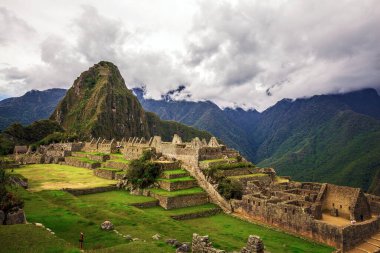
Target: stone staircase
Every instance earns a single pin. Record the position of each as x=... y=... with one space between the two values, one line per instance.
x=371 y=245
x=178 y=190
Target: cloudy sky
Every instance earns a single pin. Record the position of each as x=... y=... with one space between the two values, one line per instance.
x=235 y=53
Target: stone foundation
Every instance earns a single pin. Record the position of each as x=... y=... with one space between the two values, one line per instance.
x=201 y=244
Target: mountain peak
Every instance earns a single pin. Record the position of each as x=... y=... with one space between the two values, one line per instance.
x=100 y=104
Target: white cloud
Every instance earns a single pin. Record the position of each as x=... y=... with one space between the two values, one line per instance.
x=235 y=53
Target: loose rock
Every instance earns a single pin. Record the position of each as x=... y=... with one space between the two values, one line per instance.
x=15 y=217
x=106 y=225
x=184 y=248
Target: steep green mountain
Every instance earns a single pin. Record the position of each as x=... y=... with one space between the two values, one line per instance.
x=100 y=105
x=33 y=105
x=16 y=134
x=328 y=138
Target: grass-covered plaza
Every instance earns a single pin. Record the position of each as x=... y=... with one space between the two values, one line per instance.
x=67 y=215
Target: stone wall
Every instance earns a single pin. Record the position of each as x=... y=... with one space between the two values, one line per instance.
x=201 y=244
x=116 y=165
x=98 y=158
x=291 y=218
x=148 y=204
x=374 y=202
x=214 y=195
x=77 y=192
x=178 y=185
x=132 y=152
x=356 y=233
x=195 y=215
x=72 y=161
x=347 y=202
x=105 y=173
x=181 y=201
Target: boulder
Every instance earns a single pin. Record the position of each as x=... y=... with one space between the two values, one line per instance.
x=15 y=217
x=184 y=248
x=2 y=217
x=107 y=225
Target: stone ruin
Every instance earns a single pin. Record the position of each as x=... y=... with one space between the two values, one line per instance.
x=202 y=244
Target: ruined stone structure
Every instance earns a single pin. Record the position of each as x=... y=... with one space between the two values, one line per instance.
x=339 y=216
x=202 y=244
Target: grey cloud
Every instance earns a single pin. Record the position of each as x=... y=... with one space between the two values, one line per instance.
x=289 y=49
x=12 y=28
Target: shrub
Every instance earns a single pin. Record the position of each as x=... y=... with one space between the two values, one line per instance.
x=142 y=172
x=230 y=189
x=7 y=199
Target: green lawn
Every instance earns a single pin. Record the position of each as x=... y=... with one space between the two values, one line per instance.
x=85 y=159
x=55 y=177
x=11 y=242
x=68 y=215
x=120 y=160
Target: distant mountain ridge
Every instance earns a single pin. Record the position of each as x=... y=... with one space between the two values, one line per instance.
x=33 y=105
x=329 y=138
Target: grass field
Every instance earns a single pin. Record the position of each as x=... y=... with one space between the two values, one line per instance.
x=55 y=177
x=68 y=215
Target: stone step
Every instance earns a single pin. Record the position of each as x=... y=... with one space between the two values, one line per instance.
x=117 y=164
x=374 y=242
x=368 y=247
x=177 y=183
x=107 y=173
x=376 y=237
x=357 y=251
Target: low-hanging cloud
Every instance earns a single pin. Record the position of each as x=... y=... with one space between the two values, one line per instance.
x=236 y=53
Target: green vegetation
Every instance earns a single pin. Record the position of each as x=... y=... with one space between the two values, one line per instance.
x=85 y=160
x=230 y=189
x=8 y=200
x=16 y=134
x=248 y=175
x=314 y=156
x=68 y=215
x=55 y=177
x=110 y=169
x=229 y=166
x=180 y=179
x=34 y=239
x=120 y=160
x=142 y=172
x=218 y=160
x=190 y=191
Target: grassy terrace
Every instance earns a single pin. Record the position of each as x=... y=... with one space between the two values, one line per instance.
x=85 y=159
x=68 y=215
x=248 y=175
x=173 y=172
x=110 y=169
x=91 y=153
x=55 y=177
x=190 y=191
x=177 y=179
x=120 y=160
x=218 y=160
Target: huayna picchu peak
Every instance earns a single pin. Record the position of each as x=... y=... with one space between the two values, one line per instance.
x=99 y=104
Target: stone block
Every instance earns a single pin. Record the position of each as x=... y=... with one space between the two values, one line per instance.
x=15 y=217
